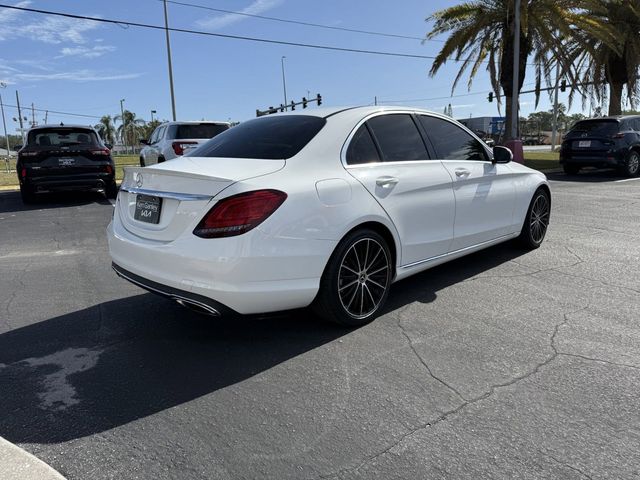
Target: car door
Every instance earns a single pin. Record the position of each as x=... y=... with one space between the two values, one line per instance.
x=154 y=148
x=387 y=154
x=485 y=192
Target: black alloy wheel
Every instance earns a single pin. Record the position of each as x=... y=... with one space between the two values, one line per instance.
x=537 y=220
x=356 y=281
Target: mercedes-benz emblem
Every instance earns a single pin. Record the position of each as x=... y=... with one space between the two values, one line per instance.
x=138 y=180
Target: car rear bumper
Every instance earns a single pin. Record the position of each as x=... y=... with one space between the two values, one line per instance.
x=53 y=183
x=248 y=274
x=606 y=160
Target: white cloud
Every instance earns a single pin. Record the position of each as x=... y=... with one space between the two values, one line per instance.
x=255 y=8
x=84 y=75
x=86 y=52
x=44 y=29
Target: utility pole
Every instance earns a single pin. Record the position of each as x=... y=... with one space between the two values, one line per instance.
x=4 y=124
x=284 y=83
x=516 y=72
x=33 y=115
x=20 y=117
x=166 y=31
x=124 y=136
x=46 y=116
x=554 y=129
x=375 y=100
x=152 y=112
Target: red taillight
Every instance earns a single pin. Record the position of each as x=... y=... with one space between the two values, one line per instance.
x=108 y=169
x=24 y=173
x=178 y=147
x=100 y=151
x=618 y=135
x=240 y=213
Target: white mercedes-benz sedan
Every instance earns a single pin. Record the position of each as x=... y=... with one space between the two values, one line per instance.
x=323 y=208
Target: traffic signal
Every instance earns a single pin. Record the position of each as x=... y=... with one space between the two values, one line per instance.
x=319 y=99
x=490 y=97
x=304 y=102
x=293 y=105
x=563 y=85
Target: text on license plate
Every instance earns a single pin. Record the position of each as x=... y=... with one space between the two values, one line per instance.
x=148 y=208
x=65 y=162
x=584 y=143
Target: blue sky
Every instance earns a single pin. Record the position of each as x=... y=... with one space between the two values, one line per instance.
x=85 y=67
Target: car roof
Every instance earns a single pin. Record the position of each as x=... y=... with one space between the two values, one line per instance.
x=613 y=117
x=65 y=125
x=326 y=112
x=196 y=122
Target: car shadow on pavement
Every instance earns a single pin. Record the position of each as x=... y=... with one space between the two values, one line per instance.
x=105 y=366
x=10 y=202
x=587 y=176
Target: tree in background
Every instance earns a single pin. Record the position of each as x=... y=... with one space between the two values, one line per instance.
x=106 y=129
x=610 y=68
x=149 y=127
x=131 y=127
x=482 y=31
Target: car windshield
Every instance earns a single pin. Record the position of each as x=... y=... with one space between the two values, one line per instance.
x=270 y=138
x=57 y=137
x=603 y=128
x=197 y=130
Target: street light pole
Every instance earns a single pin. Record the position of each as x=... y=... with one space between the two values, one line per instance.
x=20 y=117
x=124 y=133
x=516 y=72
x=152 y=112
x=284 y=82
x=166 y=31
x=4 y=124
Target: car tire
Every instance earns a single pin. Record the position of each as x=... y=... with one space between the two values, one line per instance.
x=27 y=195
x=142 y=162
x=631 y=167
x=111 y=190
x=536 y=221
x=356 y=281
x=570 y=169
x=160 y=159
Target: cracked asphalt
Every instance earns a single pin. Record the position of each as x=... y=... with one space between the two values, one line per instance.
x=504 y=364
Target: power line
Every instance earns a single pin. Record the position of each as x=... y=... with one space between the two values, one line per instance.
x=56 y=112
x=298 y=22
x=221 y=35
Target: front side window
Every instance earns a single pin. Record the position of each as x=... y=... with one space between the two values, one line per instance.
x=270 y=138
x=452 y=142
x=60 y=137
x=398 y=138
x=362 y=149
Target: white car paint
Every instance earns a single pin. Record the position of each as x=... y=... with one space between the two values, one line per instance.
x=431 y=213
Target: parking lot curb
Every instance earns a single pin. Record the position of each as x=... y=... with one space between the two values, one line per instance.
x=17 y=464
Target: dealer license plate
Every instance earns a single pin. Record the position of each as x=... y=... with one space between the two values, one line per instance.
x=584 y=143
x=66 y=162
x=148 y=208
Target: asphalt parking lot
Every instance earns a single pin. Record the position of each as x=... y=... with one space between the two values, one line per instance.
x=503 y=364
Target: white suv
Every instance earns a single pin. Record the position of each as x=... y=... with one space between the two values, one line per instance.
x=173 y=139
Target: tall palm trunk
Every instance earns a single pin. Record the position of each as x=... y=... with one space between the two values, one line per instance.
x=615 y=98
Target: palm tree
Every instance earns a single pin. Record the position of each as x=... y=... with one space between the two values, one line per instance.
x=131 y=127
x=481 y=31
x=613 y=66
x=106 y=130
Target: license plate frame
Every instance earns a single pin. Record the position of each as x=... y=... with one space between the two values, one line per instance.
x=584 y=143
x=148 y=208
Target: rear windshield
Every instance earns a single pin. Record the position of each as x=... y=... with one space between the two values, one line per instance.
x=271 y=138
x=595 y=127
x=200 y=130
x=47 y=137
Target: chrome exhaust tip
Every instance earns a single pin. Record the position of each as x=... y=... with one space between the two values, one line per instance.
x=197 y=307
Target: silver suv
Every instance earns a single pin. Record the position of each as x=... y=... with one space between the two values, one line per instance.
x=173 y=139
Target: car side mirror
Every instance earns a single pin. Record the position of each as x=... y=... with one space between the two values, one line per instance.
x=109 y=146
x=502 y=155
x=144 y=141
x=17 y=147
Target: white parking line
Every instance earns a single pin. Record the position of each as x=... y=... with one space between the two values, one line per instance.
x=627 y=180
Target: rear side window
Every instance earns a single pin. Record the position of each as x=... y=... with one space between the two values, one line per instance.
x=452 y=142
x=398 y=138
x=595 y=128
x=200 y=130
x=270 y=138
x=59 y=137
x=362 y=149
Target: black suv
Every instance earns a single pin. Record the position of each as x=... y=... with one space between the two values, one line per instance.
x=609 y=142
x=64 y=157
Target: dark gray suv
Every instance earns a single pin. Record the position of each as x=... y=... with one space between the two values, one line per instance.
x=608 y=142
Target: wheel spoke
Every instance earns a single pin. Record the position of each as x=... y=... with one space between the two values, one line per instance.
x=373 y=302
x=367 y=267
x=375 y=283
x=379 y=270
x=348 y=285
x=350 y=269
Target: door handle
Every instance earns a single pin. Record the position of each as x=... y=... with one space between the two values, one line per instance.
x=386 y=182
x=462 y=172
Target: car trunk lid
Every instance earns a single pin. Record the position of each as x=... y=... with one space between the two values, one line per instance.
x=160 y=202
